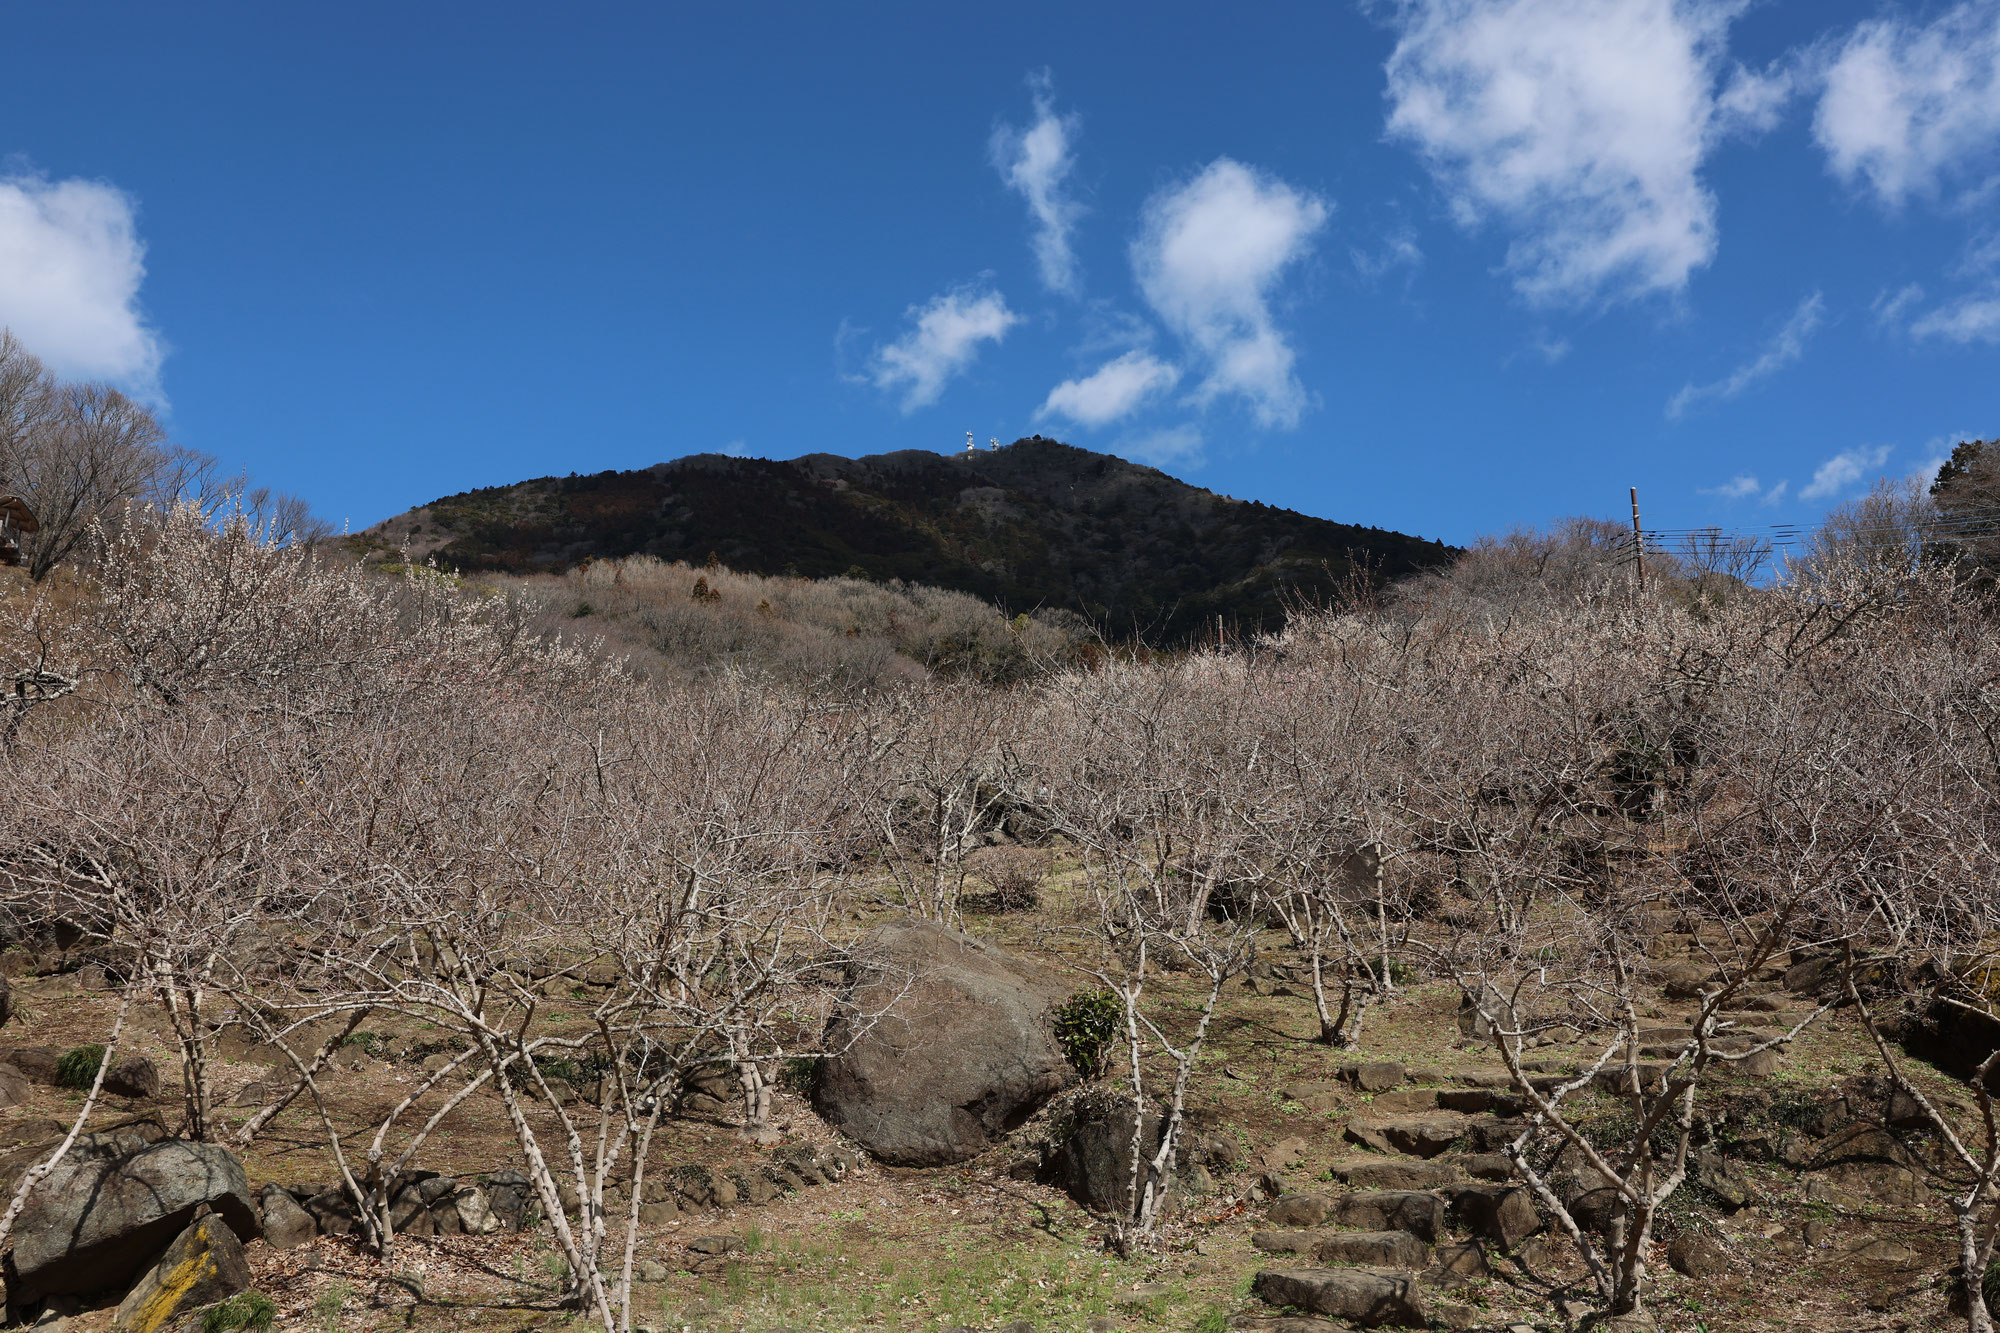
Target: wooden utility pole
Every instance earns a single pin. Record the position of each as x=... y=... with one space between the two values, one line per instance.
x=1638 y=540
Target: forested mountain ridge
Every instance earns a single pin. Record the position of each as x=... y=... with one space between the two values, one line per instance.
x=1036 y=524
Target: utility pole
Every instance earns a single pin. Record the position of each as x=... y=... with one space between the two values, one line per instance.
x=1638 y=540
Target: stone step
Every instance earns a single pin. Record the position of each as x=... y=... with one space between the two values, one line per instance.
x=1376 y=1174
x=1371 y=1249
x=1366 y=1296
x=1419 y=1212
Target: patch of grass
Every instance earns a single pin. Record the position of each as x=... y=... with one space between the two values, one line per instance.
x=246 y=1309
x=78 y=1067
x=330 y=1303
x=370 y=1044
x=1215 y=1319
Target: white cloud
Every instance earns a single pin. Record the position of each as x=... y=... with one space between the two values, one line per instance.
x=1036 y=163
x=1208 y=256
x=1906 y=105
x=1966 y=320
x=1180 y=446
x=1890 y=307
x=1736 y=488
x=1786 y=347
x=1582 y=124
x=1398 y=251
x=1753 y=100
x=1776 y=493
x=70 y=267
x=1836 y=474
x=944 y=343
x=1115 y=389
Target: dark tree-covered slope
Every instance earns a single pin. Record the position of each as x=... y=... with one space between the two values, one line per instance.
x=1037 y=524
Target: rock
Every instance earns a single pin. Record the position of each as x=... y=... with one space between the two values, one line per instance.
x=1373 y=1175
x=1424 y=1135
x=1093 y=1165
x=1271 y=1184
x=1300 y=1210
x=715 y=1244
x=37 y=1062
x=964 y=1055
x=1420 y=1214
x=1372 y=1249
x=1378 y=1076
x=1486 y=1166
x=1279 y=1155
x=1722 y=1178
x=1475 y=1023
x=475 y=1214
x=205 y=1264
x=511 y=1198
x=1807 y=977
x=132 y=1076
x=285 y=1223
x=1880 y=1250
x=333 y=1212
x=651 y=1270
x=1317 y=1097
x=1862 y=1143
x=1489 y=1134
x=1285 y=1242
x=1697 y=1255
x=15 y=1087
x=112 y=1204
x=6 y=1000
x=1852 y=1184
x=1404 y=1101
x=1503 y=1214
x=1217 y=1151
x=1458 y=1264
x=1355 y=1294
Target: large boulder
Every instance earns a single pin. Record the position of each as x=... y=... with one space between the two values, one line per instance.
x=961 y=1053
x=205 y=1264
x=113 y=1202
x=1093 y=1163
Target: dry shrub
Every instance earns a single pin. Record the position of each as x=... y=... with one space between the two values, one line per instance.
x=1013 y=875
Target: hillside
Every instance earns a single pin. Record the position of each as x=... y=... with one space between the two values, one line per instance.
x=1037 y=524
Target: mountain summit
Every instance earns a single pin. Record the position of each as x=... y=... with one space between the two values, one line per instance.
x=1035 y=525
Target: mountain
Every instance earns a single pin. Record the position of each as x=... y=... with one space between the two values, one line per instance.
x=1035 y=525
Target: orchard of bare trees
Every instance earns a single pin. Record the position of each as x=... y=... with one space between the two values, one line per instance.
x=280 y=798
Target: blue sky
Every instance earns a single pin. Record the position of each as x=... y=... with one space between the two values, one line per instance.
x=1441 y=265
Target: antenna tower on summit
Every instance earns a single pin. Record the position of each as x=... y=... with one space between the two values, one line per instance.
x=969 y=446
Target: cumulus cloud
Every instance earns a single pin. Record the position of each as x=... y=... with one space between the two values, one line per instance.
x=945 y=342
x=1581 y=124
x=1836 y=474
x=1786 y=347
x=1906 y=105
x=1179 y=446
x=1969 y=319
x=1036 y=163
x=1208 y=256
x=1116 y=389
x=70 y=267
x=1736 y=488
